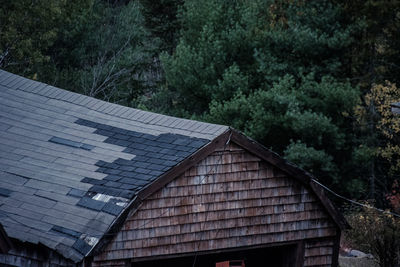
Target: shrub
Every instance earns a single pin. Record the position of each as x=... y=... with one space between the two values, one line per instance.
x=377 y=233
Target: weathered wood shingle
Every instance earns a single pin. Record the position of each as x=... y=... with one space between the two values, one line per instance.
x=228 y=200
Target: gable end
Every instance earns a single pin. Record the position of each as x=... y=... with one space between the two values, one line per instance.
x=229 y=199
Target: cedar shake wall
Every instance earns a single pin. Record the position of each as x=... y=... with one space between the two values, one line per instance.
x=228 y=200
x=319 y=253
x=30 y=255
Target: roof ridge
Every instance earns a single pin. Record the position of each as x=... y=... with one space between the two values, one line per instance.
x=14 y=81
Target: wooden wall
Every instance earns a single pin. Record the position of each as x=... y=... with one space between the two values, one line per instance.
x=319 y=252
x=30 y=255
x=228 y=200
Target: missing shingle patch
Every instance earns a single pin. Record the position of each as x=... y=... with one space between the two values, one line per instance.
x=119 y=201
x=154 y=155
x=85 y=243
x=65 y=232
x=91 y=204
x=70 y=143
x=103 y=202
x=81 y=246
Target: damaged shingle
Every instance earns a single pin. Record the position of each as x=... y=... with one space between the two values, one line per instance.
x=76 y=193
x=66 y=232
x=112 y=208
x=5 y=192
x=66 y=142
x=91 y=203
x=81 y=246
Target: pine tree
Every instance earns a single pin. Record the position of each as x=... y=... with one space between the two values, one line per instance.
x=276 y=70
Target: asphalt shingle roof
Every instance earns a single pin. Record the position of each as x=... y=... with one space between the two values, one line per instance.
x=69 y=163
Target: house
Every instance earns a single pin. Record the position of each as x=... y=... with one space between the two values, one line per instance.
x=85 y=182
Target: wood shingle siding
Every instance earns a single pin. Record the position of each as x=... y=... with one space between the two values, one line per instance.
x=36 y=256
x=228 y=200
x=319 y=252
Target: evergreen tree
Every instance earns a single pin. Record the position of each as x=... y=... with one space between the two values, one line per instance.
x=161 y=19
x=276 y=70
x=94 y=47
x=375 y=57
x=27 y=30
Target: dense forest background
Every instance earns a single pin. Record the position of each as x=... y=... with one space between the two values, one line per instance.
x=311 y=79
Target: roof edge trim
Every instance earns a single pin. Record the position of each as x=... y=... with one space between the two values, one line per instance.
x=292 y=170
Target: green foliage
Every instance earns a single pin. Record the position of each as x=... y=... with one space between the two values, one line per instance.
x=90 y=46
x=110 y=53
x=273 y=69
x=380 y=147
x=215 y=44
x=27 y=30
x=376 y=233
x=161 y=20
x=316 y=161
x=375 y=57
x=287 y=73
x=292 y=119
x=232 y=82
x=218 y=36
x=310 y=37
x=236 y=112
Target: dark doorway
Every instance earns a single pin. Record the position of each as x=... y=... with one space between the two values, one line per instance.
x=282 y=256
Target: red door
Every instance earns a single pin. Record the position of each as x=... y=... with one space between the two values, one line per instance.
x=237 y=263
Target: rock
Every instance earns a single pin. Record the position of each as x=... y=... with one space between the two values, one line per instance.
x=356 y=262
x=359 y=254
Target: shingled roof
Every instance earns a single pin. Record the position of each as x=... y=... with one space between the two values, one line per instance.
x=70 y=164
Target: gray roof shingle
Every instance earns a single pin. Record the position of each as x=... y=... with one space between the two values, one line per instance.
x=69 y=163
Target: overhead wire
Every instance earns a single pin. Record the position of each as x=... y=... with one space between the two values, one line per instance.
x=355 y=202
